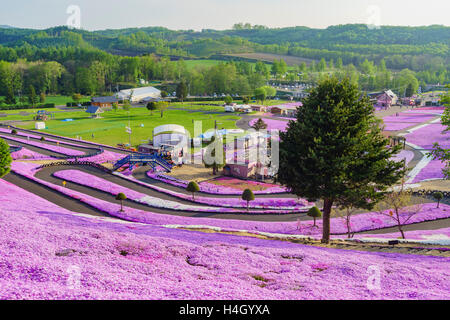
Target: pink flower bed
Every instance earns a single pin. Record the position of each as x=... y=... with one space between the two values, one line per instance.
x=426 y=136
x=361 y=222
x=225 y=185
x=105 y=156
x=272 y=124
x=208 y=187
x=398 y=126
x=432 y=171
x=438 y=236
x=48 y=252
x=409 y=117
x=92 y=181
x=268 y=114
x=405 y=120
x=26 y=154
x=374 y=220
x=58 y=149
x=265 y=203
x=406 y=155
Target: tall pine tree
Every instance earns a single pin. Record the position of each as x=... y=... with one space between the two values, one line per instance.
x=5 y=158
x=335 y=151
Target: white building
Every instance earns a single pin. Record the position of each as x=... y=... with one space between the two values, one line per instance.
x=39 y=125
x=139 y=94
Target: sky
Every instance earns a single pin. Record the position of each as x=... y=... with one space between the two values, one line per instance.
x=220 y=14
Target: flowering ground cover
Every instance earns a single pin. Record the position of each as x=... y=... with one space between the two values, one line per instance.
x=222 y=185
x=51 y=253
x=427 y=135
x=409 y=117
x=92 y=181
x=439 y=236
x=360 y=222
x=433 y=170
x=405 y=120
x=424 y=137
x=105 y=156
x=26 y=154
x=58 y=149
x=268 y=114
x=267 y=203
x=241 y=185
x=374 y=220
x=406 y=155
x=272 y=124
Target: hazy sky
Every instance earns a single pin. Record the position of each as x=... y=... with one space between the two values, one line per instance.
x=222 y=14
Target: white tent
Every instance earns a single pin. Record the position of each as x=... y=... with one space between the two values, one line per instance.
x=139 y=94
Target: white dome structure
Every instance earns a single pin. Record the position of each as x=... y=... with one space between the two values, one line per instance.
x=172 y=135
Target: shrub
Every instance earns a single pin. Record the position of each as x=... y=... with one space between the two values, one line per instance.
x=193 y=187
x=248 y=196
x=42 y=139
x=438 y=196
x=13 y=131
x=315 y=213
x=121 y=196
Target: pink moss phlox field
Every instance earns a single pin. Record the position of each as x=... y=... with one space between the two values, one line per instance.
x=58 y=149
x=441 y=236
x=48 y=252
x=28 y=170
x=104 y=157
x=361 y=222
x=374 y=220
x=26 y=154
x=406 y=155
x=208 y=187
x=409 y=117
x=426 y=136
x=267 y=203
x=272 y=124
x=92 y=181
x=433 y=170
x=405 y=120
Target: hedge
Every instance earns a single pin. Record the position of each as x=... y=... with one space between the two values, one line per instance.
x=18 y=107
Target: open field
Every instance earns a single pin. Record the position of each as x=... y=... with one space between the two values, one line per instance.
x=110 y=129
x=270 y=57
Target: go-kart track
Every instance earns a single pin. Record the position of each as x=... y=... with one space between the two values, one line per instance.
x=80 y=165
x=48 y=174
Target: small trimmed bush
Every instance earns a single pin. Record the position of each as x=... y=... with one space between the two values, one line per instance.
x=248 y=196
x=438 y=196
x=193 y=187
x=121 y=197
x=315 y=213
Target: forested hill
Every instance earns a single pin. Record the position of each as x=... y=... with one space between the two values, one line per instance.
x=416 y=48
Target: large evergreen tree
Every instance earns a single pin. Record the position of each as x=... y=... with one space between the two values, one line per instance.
x=335 y=150
x=5 y=158
x=32 y=98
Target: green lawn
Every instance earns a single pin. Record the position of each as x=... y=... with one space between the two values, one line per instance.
x=110 y=129
x=191 y=64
